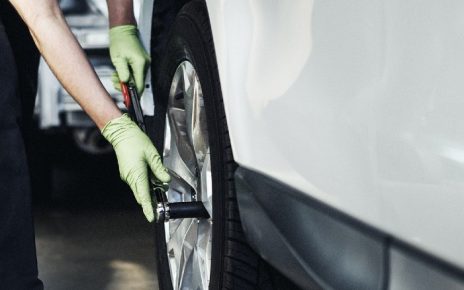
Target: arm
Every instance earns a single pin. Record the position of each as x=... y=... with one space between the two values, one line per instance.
x=58 y=46
x=121 y=12
x=65 y=57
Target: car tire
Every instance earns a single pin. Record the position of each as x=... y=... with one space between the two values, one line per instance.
x=234 y=265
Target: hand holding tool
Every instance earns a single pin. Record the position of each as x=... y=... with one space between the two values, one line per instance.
x=135 y=154
x=158 y=186
x=128 y=55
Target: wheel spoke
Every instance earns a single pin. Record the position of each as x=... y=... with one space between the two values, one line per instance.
x=206 y=185
x=188 y=246
x=179 y=115
x=179 y=250
x=177 y=121
x=203 y=256
x=199 y=130
x=183 y=181
x=197 y=269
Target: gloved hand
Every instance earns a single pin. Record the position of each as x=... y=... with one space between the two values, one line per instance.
x=126 y=52
x=135 y=154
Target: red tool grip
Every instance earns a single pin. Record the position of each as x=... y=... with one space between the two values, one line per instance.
x=126 y=95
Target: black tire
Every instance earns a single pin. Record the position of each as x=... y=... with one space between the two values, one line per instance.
x=234 y=264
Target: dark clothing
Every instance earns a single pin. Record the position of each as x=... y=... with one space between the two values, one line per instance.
x=18 y=265
x=27 y=61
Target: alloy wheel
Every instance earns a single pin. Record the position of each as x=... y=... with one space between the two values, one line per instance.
x=187 y=156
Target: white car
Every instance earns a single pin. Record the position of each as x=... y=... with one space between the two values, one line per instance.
x=325 y=139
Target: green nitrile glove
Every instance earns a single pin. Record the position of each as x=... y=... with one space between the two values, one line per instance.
x=128 y=54
x=135 y=154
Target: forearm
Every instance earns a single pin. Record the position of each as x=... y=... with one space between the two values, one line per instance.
x=121 y=12
x=66 y=59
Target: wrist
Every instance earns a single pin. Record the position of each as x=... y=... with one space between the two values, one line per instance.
x=120 y=12
x=105 y=119
x=125 y=29
x=120 y=22
x=116 y=128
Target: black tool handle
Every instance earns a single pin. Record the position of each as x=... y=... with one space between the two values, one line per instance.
x=137 y=108
x=132 y=103
x=192 y=209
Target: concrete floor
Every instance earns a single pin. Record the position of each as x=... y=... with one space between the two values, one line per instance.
x=90 y=233
x=94 y=250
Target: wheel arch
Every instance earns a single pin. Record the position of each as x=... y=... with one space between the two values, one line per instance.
x=164 y=13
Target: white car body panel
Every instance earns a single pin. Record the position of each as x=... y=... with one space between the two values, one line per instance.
x=144 y=9
x=358 y=104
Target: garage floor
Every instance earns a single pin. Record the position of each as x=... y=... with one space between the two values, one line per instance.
x=90 y=233
x=94 y=250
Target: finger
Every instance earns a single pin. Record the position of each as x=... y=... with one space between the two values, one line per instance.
x=148 y=58
x=122 y=69
x=136 y=195
x=148 y=211
x=115 y=81
x=137 y=188
x=139 y=68
x=141 y=191
x=156 y=166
